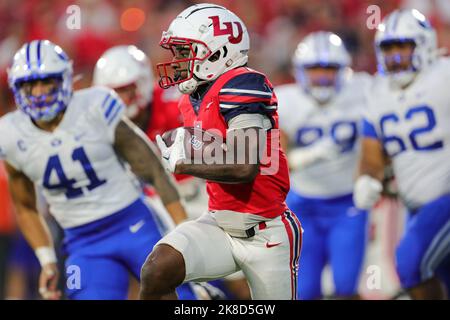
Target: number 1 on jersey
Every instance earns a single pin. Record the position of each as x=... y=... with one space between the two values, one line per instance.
x=54 y=164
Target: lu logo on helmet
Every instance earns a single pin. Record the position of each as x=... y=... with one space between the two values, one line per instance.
x=228 y=29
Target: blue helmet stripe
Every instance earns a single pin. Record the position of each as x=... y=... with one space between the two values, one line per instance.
x=391 y=25
x=315 y=46
x=395 y=22
x=38 y=49
x=326 y=47
x=28 y=56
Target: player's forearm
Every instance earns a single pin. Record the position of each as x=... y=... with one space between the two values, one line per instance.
x=368 y=169
x=28 y=219
x=302 y=157
x=371 y=160
x=147 y=166
x=135 y=148
x=165 y=186
x=224 y=173
x=33 y=228
x=176 y=211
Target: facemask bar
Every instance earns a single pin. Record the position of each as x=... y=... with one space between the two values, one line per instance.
x=383 y=62
x=168 y=75
x=37 y=107
x=307 y=85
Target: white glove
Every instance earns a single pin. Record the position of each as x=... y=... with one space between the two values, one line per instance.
x=303 y=157
x=172 y=155
x=367 y=192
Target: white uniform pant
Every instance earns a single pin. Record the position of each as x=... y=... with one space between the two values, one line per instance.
x=269 y=259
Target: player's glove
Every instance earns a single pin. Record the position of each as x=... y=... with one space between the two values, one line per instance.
x=367 y=192
x=172 y=155
x=322 y=151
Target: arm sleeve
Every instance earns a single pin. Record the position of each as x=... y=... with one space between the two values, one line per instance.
x=248 y=93
x=249 y=120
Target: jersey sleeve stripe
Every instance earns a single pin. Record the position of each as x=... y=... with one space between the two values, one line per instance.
x=245 y=92
x=243 y=99
x=114 y=115
x=110 y=108
x=105 y=100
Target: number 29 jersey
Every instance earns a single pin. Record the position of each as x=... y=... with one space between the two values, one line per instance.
x=414 y=127
x=308 y=124
x=76 y=166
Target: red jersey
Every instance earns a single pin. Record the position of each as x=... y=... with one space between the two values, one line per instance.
x=239 y=91
x=164 y=113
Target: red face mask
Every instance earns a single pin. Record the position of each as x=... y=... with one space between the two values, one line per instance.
x=181 y=68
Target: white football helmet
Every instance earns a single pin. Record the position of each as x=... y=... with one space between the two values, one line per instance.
x=124 y=65
x=216 y=40
x=40 y=60
x=406 y=25
x=321 y=49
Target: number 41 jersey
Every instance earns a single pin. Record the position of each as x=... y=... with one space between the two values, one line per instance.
x=75 y=165
x=414 y=127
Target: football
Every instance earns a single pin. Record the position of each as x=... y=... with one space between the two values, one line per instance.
x=199 y=144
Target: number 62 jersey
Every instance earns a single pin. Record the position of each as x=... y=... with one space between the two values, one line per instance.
x=75 y=165
x=414 y=127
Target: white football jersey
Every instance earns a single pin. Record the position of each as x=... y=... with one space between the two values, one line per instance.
x=81 y=176
x=414 y=127
x=306 y=123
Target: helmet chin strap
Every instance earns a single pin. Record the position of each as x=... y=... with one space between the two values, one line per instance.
x=188 y=86
x=402 y=79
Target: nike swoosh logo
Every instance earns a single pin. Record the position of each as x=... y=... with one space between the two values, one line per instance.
x=207 y=106
x=135 y=227
x=167 y=158
x=270 y=245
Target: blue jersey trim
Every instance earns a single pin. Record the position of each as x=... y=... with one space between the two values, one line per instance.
x=369 y=130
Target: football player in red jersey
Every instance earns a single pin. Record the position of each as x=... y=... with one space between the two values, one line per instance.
x=128 y=71
x=248 y=226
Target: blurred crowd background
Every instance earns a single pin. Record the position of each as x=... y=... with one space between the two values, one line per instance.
x=276 y=27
